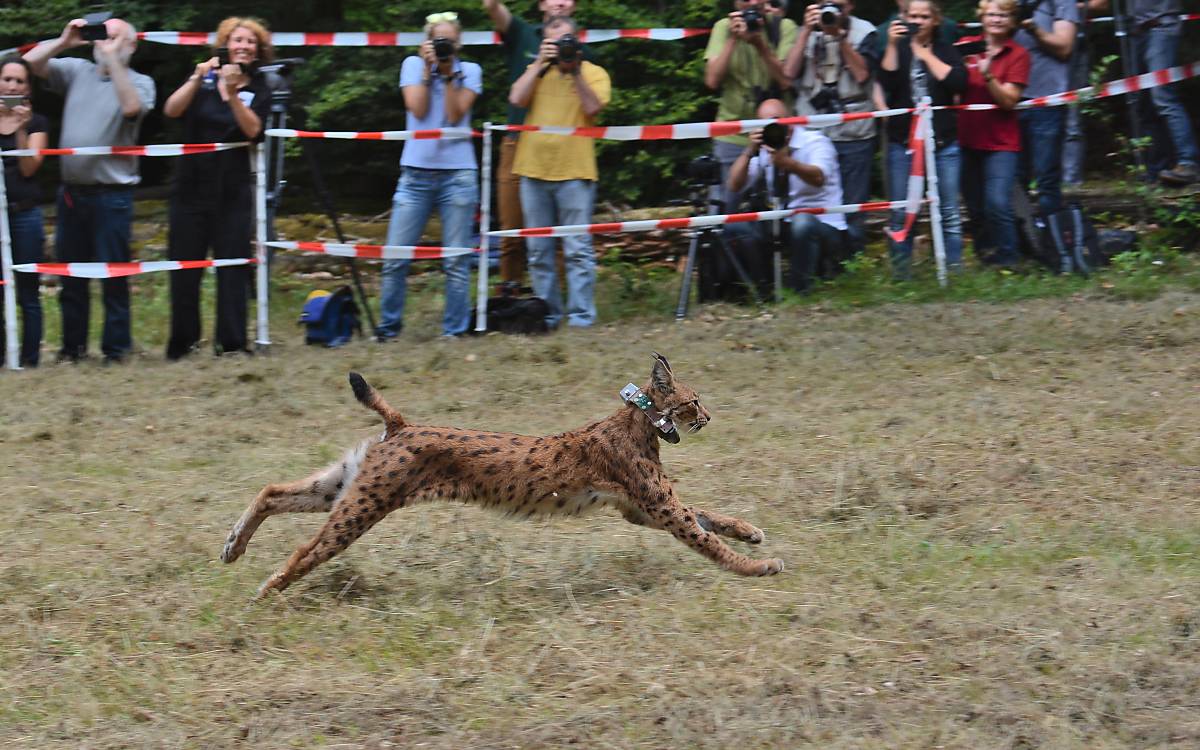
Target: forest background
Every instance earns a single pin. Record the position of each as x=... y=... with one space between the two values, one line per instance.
x=655 y=82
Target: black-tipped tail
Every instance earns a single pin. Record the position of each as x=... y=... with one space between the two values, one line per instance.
x=370 y=398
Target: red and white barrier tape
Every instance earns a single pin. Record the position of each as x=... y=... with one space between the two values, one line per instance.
x=408 y=38
x=692 y=221
x=1101 y=19
x=114 y=270
x=916 y=174
x=380 y=135
x=379 y=252
x=162 y=149
x=1128 y=85
x=698 y=129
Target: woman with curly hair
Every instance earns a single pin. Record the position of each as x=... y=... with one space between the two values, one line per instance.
x=225 y=99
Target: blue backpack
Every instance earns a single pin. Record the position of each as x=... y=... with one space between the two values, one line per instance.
x=330 y=318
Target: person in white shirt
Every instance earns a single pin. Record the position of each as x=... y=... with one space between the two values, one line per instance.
x=809 y=161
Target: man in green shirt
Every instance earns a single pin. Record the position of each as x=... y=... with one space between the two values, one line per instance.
x=744 y=63
x=521 y=42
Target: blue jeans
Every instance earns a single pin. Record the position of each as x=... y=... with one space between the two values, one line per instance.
x=811 y=240
x=854 y=164
x=454 y=194
x=1157 y=49
x=94 y=226
x=726 y=154
x=949 y=165
x=988 y=178
x=1042 y=133
x=550 y=203
x=28 y=237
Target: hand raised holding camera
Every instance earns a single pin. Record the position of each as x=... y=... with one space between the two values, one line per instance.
x=425 y=50
x=72 y=33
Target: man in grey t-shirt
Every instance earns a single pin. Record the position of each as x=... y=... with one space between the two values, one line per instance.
x=104 y=105
x=1049 y=36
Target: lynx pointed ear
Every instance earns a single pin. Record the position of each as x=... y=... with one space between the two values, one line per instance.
x=661 y=375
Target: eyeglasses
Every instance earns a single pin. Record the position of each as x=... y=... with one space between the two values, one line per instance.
x=446 y=17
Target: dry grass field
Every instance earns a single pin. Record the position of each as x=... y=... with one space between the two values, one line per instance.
x=990 y=515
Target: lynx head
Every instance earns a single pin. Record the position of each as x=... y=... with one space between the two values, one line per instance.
x=674 y=399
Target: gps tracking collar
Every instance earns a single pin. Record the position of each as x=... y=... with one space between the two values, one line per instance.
x=631 y=394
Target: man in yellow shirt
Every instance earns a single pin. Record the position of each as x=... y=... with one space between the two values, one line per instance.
x=558 y=172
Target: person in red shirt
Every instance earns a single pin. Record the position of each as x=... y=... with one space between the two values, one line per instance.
x=991 y=139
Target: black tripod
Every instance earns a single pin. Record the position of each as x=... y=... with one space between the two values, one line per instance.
x=705 y=240
x=279 y=78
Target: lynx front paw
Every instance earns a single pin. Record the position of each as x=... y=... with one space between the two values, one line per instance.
x=770 y=567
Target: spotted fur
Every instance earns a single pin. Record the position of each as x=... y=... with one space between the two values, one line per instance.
x=610 y=463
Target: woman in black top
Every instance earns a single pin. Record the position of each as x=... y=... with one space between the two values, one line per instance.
x=212 y=202
x=21 y=128
x=916 y=65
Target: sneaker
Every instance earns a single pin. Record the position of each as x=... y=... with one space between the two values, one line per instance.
x=1182 y=174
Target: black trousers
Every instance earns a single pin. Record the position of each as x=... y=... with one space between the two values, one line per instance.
x=196 y=226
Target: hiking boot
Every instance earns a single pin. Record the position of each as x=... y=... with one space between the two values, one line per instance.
x=1182 y=174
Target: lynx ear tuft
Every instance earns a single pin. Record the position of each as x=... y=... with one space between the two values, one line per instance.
x=661 y=376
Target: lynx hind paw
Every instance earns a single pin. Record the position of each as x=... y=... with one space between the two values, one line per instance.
x=755 y=536
x=771 y=567
x=232 y=549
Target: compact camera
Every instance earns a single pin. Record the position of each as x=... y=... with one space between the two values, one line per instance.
x=443 y=48
x=704 y=170
x=753 y=18
x=94 y=29
x=568 y=47
x=9 y=102
x=223 y=59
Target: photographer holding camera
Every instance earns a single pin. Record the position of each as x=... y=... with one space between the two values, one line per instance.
x=917 y=64
x=104 y=105
x=22 y=128
x=558 y=172
x=744 y=62
x=225 y=99
x=441 y=174
x=521 y=41
x=1047 y=31
x=832 y=62
x=808 y=161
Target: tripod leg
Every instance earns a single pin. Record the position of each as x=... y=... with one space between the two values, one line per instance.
x=327 y=204
x=685 y=289
x=742 y=274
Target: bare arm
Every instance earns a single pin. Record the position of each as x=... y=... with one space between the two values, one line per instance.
x=739 y=171
x=416 y=96
x=716 y=68
x=810 y=173
x=1006 y=95
x=108 y=50
x=591 y=103
x=522 y=89
x=247 y=119
x=793 y=66
x=855 y=63
x=40 y=55
x=771 y=60
x=29 y=165
x=178 y=102
x=499 y=13
x=1059 y=41
x=459 y=100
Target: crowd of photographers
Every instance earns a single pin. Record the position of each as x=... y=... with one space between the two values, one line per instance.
x=759 y=62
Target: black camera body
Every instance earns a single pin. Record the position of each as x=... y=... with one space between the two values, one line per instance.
x=223 y=59
x=831 y=14
x=703 y=171
x=976 y=47
x=912 y=29
x=568 y=48
x=827 y=101
x=443 y=48
x=775 y=135
x=753 y=18
x=94 y=29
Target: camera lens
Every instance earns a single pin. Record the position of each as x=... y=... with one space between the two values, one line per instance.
x=443 y=48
